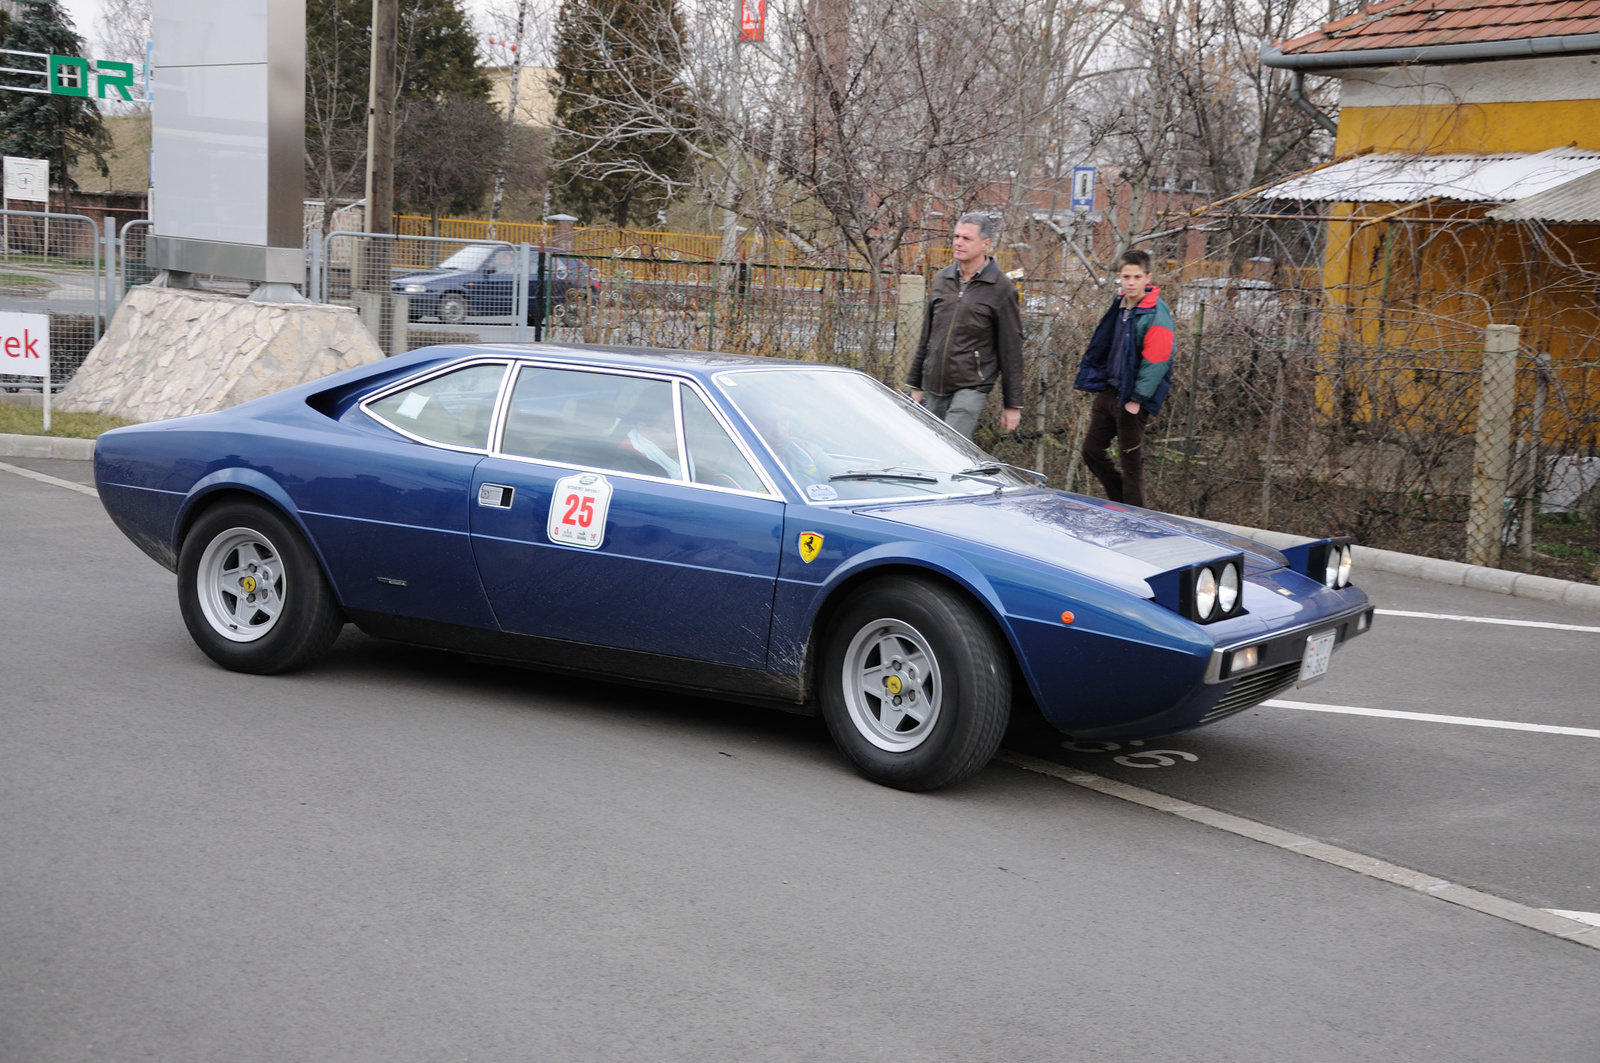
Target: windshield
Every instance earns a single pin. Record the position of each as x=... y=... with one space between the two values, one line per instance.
x=841 y=434
x=469 y=257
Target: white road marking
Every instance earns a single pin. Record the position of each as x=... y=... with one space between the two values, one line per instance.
x=1557 y=924
x=1430 y=717
x=1592 y=918
x=46 y=479
x=1488 y=620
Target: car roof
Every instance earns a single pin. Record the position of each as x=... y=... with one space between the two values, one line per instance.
x=700 y=364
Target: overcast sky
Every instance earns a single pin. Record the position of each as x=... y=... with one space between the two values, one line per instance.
x=85 y=13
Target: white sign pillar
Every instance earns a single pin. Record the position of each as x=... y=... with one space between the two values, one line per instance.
x=228 y=138
x=25 y=350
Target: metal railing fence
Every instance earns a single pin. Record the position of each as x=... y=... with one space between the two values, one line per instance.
x=62 y=266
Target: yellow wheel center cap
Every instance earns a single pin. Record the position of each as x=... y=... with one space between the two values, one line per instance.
x=249 y=584
x=892 y=684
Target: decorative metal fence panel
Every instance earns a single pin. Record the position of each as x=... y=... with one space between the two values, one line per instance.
x=838 y=316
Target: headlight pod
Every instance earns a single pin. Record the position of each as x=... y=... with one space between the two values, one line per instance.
x=1205 y=593
x=1336 y=574
x=1328 y=561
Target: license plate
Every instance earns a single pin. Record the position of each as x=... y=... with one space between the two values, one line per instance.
x=1319 y=651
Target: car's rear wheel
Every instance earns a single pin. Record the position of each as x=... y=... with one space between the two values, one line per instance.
x=915 y=685
x=452 y=308
x=251 y=592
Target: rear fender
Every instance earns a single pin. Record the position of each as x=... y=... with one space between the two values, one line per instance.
x=238 y=481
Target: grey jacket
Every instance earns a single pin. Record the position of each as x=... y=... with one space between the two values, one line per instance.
x=970 y=338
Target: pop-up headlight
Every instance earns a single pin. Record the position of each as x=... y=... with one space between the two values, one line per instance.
x=1328 y=561
x=1205 y=593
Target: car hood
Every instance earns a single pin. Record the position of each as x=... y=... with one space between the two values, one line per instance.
x=1121 y=545
x=428 y=275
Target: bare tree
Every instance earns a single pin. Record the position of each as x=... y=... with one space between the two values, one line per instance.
x=121 y=31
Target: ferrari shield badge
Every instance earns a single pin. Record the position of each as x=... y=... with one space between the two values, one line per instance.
x=810 y=546
x=578 y=510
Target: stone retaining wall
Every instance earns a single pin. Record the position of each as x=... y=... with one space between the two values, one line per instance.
x=171 y=352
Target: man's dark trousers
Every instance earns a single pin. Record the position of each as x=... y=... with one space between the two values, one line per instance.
x=1107 y=421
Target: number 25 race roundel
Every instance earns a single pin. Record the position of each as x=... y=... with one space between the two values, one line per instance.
x=578 y=510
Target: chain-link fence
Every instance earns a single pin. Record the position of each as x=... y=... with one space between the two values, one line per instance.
x=57 y=265
x=1288 y=409
x=414 y=291
x=1279 y=417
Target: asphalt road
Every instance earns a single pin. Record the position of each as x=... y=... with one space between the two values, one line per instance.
x=405 y=856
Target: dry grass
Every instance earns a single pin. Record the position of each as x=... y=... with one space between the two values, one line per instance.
x=29 y=421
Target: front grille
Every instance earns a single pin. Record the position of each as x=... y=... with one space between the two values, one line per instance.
x=1254 y=689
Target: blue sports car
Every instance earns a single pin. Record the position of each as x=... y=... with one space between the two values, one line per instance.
x=768 y=531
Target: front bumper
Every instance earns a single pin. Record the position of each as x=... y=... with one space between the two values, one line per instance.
x=1222 y=695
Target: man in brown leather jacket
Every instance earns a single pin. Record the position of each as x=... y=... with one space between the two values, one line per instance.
x=971 y=334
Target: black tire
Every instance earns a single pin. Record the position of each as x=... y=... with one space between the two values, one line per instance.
x=453 y=308
x=236 y=551
x=965 y=695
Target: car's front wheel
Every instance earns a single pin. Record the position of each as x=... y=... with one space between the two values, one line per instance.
x=452 y=308
x=252 y=593
x=915 y=685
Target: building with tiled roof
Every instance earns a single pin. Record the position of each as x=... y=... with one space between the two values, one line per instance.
x=1458 y=75
x=1450 y=112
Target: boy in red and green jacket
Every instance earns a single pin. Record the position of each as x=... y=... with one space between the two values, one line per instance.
x=1128 y=367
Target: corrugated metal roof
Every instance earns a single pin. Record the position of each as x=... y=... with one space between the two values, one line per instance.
x=1464 y=178
x=1428 y=23
x=1577 y=201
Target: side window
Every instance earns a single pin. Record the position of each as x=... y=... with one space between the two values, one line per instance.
x=499 y=262
x=455 y=408
x=600 y=420
x=713 y=457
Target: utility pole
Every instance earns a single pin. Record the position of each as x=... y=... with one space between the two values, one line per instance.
x=380 y=119
x=384 y=312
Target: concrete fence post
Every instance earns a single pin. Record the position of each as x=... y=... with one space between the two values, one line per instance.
x=1491 y=456
x=912 y=293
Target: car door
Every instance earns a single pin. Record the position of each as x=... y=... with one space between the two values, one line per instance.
x=589 y=526
x=494 y=292
x=391 y=516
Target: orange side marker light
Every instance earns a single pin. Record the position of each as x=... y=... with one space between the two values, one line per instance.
x=1066 y=618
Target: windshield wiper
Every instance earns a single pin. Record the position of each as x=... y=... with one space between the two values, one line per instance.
x=991 y=467
x=888 y=472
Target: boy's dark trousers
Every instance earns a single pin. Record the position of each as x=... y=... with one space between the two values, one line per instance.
x=1107 y=421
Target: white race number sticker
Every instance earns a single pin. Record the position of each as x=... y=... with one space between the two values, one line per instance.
x=1319 y=651
x=578 y=510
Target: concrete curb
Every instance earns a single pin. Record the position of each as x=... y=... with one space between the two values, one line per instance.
x=1438 y=570
x=20 y=446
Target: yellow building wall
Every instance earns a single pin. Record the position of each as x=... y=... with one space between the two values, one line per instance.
x=1474 y=127
x=1413 y=294
x=1415 y=291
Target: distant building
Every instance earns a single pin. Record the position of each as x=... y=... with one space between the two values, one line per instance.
x=1451 y=117
x=536 y=105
